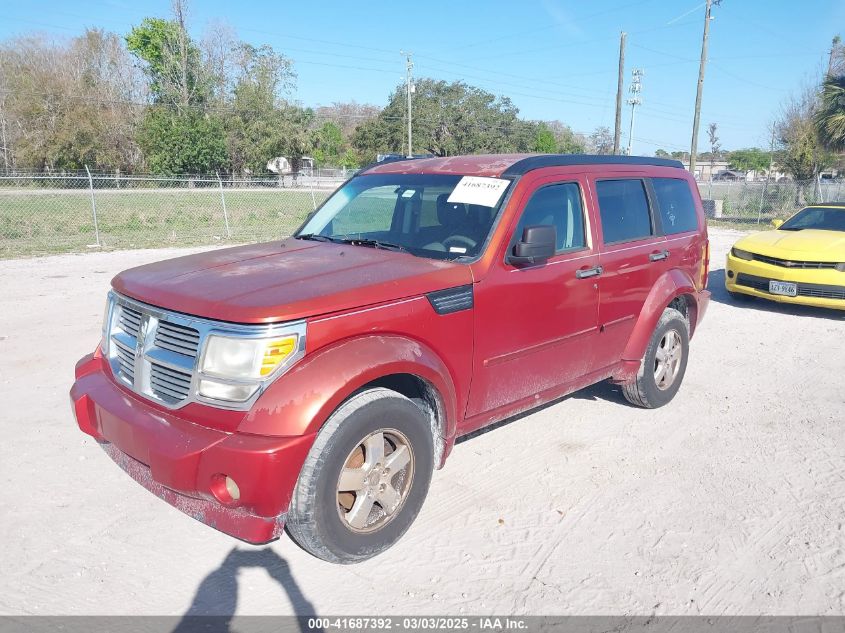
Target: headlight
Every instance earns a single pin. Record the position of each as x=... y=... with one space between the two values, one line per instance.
x=741 y=254
x=233 y=368
x=246 y=358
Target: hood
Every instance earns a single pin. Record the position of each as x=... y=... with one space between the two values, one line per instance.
x=805 y=245
x=283 y=281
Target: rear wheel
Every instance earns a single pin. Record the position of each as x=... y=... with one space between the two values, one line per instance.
x=664 y=364
x=364 y=479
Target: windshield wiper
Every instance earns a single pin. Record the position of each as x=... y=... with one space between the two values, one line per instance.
x=355 y=241
x=362 y=241
x=318 y=238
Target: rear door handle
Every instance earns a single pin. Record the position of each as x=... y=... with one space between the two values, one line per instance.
x=656 y=257
x=583 y=273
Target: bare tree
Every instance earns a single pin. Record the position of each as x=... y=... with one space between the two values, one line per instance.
x=800 y=152
x=715 y=150
x=70 y=103
x=347 y=115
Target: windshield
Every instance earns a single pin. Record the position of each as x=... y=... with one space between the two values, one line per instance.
x=823 y=218
x=428 y=215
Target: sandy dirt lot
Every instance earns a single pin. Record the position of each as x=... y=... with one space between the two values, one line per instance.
x=728 y=501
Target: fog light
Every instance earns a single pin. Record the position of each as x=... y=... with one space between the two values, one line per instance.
x=225 y=489
x=224 y=391
x=730 y=274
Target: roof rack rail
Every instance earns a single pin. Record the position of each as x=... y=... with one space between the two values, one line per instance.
x=392 y=158
x=561 y=160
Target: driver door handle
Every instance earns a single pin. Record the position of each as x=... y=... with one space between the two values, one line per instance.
x=656 y=257
x=583 y=273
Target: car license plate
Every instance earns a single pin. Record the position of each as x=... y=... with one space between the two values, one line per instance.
x=786 y=288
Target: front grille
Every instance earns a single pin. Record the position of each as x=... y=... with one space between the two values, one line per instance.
x=177 y=338
x=155 y=352
x=788 y=263
x=164 y=349
x=822 y=291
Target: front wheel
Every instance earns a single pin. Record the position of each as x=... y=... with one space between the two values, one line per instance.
x=364 y=479
x=664 y=364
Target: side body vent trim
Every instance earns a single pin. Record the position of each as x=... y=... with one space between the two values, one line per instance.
x=451 y=300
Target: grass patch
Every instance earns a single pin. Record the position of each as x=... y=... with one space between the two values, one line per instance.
x=42 y=222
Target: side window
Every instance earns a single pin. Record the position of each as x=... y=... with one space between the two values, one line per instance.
x=560 y=206
x=623 y=206
x=677 y=208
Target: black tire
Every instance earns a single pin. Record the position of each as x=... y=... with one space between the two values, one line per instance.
x=645 y=391
x=317 y=520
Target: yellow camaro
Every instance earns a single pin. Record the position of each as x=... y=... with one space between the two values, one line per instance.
x=802 y=261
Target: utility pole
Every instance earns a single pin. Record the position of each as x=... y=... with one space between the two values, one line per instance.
x=634 y=101
x=835 y=47
x=617 y=130
x=409 y=65
x=697 y=118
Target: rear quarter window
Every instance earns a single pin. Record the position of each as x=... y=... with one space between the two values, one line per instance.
x=677 y=207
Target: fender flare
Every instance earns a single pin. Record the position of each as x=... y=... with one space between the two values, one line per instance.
x=673 y=283
x=301 y=401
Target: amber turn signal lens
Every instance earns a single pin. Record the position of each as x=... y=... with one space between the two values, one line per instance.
x=276 y=352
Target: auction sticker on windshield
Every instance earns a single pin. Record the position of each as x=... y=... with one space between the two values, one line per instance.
x=478 y=190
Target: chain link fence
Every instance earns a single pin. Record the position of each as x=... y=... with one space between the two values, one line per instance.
x=42 y=214
x=760 y=202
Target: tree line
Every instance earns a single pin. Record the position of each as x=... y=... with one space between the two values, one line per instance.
x=156 y=100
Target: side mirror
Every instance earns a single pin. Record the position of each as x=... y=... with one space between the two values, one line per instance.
x=537 y=243
x=776 y=223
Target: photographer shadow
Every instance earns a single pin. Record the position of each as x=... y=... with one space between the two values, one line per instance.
x=213 y=607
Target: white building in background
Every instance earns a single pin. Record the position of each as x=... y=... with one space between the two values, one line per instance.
x=282 y=166
x=720 y=171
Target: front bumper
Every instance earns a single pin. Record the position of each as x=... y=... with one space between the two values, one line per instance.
x=181 y=461
x=817 y=288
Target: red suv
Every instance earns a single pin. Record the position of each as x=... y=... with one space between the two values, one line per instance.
x=314 y=383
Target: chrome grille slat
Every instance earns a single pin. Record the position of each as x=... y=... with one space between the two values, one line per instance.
x=166 y=382
x=177 y=338
x=175 y=392
x=126 y=361
x=166 y=371
x=130 y=320
x=169 y=383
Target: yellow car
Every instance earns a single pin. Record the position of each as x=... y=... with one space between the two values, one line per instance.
x=802 y=261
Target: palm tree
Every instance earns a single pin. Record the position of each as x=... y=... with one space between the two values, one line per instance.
x=830 y=117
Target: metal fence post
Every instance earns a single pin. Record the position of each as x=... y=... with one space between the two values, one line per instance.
x=223 y=200
x=93 y=205
x=313 y=199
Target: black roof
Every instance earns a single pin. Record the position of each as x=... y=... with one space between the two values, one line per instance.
x=561 y=160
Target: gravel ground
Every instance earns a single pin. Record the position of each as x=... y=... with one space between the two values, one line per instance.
x=727 y=501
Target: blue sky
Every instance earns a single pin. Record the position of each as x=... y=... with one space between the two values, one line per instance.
x=556 y=59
